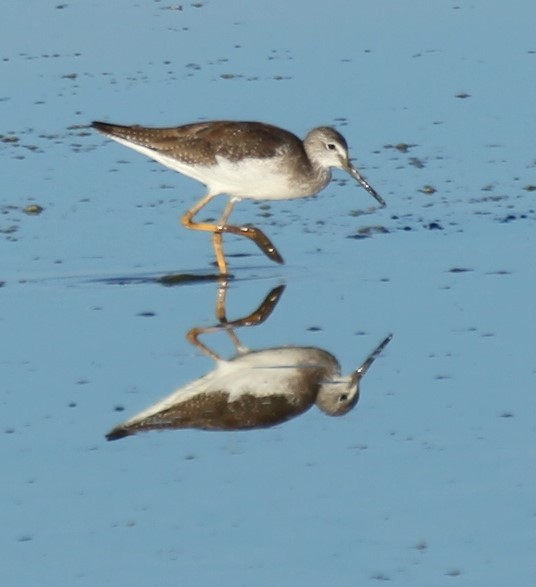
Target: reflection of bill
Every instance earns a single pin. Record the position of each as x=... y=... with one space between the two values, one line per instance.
x=254 y=389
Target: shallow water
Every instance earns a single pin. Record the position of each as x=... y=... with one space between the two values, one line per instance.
x=430 y=479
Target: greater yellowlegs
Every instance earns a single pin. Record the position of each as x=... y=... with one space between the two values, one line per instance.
x=255 y=388
x=243 y=160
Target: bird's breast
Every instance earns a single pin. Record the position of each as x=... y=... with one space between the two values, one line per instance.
x=257 y=179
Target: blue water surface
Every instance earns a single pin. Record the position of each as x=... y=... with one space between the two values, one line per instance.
x=431 y=479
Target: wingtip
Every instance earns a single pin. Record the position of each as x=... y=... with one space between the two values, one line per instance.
x=100 y=126
x=117 y=434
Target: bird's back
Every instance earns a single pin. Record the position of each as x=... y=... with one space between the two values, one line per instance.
x=201 y=142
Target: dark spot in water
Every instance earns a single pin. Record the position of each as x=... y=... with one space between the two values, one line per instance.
x=380 y=577
x=459 y=270
x=428 y=190
x=509 y=218
x=416 y=162
x=8 y=139
x=33 y=209
x=403 y=147
x=400 y=147
x=370 y=231
x=146 y=314
x=434 y=226
x=453 y=573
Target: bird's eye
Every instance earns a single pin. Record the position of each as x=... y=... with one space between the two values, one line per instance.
x=331 y=147
x=343 y=397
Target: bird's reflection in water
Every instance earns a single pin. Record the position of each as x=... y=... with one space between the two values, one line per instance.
x=254 y=389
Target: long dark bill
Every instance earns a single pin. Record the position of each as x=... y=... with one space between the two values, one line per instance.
x=356 y=175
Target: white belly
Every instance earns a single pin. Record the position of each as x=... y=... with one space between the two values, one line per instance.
x=256 y=179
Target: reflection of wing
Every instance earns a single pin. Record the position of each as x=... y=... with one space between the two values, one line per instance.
x=255 y=390
x=214 y=411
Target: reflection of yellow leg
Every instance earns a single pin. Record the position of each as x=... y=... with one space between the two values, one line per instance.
x=221 y=302
x=256 y=317
x=193 y=338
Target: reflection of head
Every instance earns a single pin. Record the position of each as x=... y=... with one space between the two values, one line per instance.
x=336 y=398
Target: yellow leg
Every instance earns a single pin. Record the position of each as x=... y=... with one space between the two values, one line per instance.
x=259 y=238
x=187 y=221
x=217 y=237
x=254 y=234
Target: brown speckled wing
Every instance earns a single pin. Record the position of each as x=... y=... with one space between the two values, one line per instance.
x=200 y=143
